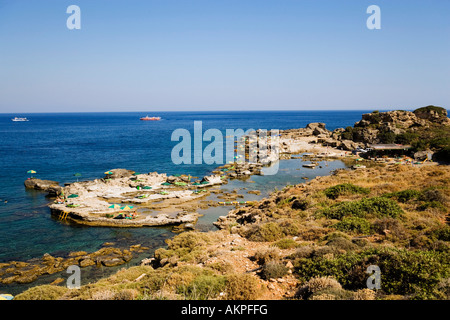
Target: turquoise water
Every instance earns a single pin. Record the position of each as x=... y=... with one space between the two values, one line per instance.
x=59 y=145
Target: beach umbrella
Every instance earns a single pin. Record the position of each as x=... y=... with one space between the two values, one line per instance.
x=136 y=173
x=146 y=187
x=165 y=184
x=204 y=182
x=77 y=175
x=72 y=196
x=114 y=206
x=126 y=208
x=108 y=172
x=31 y=172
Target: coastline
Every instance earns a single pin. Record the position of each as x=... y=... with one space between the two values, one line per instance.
x=305 y=141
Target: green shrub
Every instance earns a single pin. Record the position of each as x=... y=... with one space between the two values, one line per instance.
x=344 y=189
x=442 y=233
x=340 y=243
x=273 y=270
x=414 y=273
x=432 y=204
x=376 y=206
x=187 y=246
x=354 y=224
x=404 y=195
x=406 y=138
x=269 y=231
x=273 y=231
x=203 y=287
x=44 y=292
x=286 y=243
x=386 y=137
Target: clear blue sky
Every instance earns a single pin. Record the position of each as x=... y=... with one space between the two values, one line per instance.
x=223 y=54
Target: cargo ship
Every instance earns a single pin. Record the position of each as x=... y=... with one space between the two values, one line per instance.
x=147 y=118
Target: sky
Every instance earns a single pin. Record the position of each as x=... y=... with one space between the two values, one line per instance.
x=182 y=55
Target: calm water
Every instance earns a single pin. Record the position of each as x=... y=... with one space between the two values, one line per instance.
x=59 y=145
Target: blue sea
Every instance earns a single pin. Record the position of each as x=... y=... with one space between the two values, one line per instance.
x=58 y=145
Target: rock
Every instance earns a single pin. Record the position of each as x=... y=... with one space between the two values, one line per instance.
x=112 y=262
x=189 y=226
x=422 y=155
x=433 y=114
x=44 y=185
x=120 y=173
x=86 y=262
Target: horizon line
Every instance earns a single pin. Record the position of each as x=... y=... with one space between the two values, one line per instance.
x=168 y=111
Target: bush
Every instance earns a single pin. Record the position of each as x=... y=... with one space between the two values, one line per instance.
x=415 y=273
x=242 y=287
x=286 y=243
x=354 y=224
x=44 y=292
x=442 y=233
x=344 y=189
x=265 y=255
x=404 y=195
x=269 y=231
x=316 y=285
x=272 y=231
x=203 y=287
x=376 y=206
x=273 y=270
x=187 y=246
x=342 y=243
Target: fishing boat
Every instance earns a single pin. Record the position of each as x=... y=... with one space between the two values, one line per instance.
x=16 y=119
x=147 y=118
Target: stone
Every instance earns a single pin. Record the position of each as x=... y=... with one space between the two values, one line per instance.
x=44 y=185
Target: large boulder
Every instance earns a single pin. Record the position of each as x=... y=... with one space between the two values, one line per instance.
x=433 y=114
x=120 y=173
x=52 y=187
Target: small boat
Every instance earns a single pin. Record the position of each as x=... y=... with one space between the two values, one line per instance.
x=147 y=118
x=310 y=165
x=16 y=119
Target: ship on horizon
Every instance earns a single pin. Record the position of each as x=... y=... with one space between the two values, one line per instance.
x=147 y=118
x=17 y=119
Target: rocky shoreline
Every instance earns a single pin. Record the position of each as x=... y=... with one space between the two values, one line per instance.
x=93 y=200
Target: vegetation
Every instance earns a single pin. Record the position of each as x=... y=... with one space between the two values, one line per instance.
x=394 y=217
x=344 y=189
x=366 y=207
x=354 y=224
x=405 y=272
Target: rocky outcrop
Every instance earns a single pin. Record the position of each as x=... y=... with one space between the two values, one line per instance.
x=26 y=272
x=384 y=127
x=433 y=114
x=52 y=187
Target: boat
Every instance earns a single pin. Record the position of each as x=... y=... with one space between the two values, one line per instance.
x=147 y=118
x=16 y=119
x=310 y=165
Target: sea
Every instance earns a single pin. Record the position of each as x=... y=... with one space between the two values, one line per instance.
x=59 y=145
